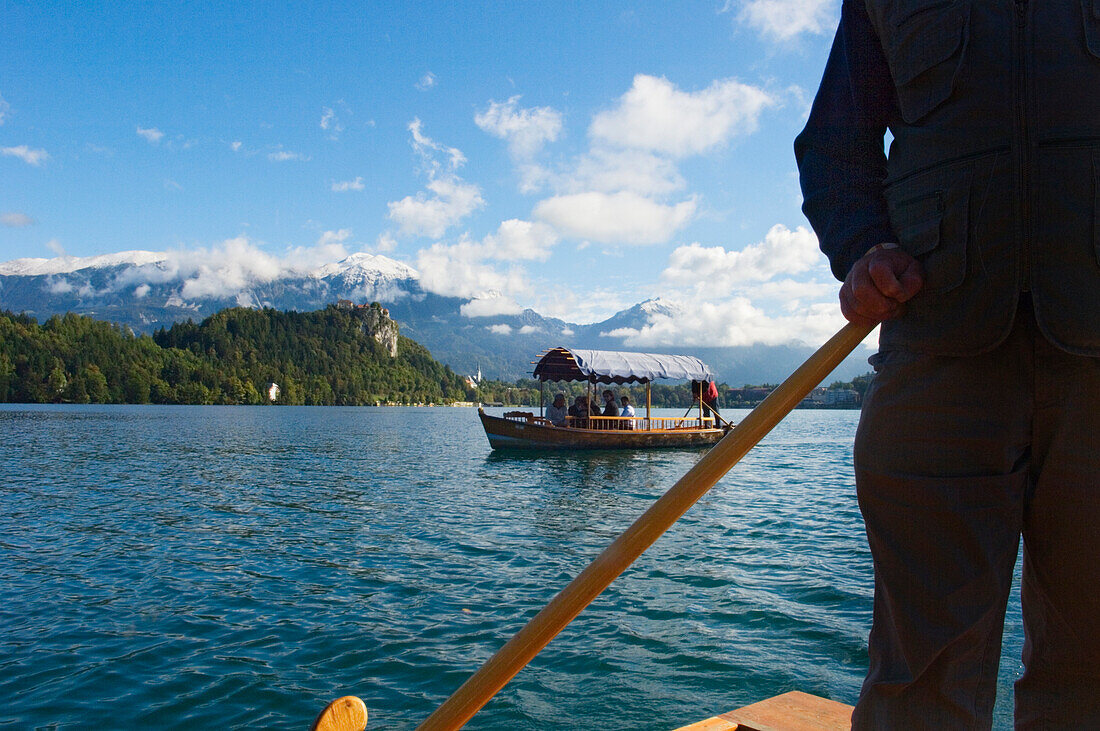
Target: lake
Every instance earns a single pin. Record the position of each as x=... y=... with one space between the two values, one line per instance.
x=232 y=567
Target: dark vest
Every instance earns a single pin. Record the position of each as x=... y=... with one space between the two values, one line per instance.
x=993 y=170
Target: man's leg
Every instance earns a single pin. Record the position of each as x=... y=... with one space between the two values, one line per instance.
x=941 y=472
x=1060 y=688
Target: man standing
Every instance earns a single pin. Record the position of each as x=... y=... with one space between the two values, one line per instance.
x=976 y=244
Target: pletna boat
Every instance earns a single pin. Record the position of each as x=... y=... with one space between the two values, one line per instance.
x=526 y=430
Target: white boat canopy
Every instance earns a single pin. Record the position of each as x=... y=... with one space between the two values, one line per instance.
x=610 y=366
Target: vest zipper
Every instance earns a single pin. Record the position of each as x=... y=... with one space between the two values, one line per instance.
x=1023 y=156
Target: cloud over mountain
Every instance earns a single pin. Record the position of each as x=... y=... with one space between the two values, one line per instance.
x=448 y=199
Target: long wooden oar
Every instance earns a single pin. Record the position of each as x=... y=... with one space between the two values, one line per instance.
x=544 y=626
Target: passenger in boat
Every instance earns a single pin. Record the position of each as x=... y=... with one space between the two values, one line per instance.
x=557 y=411
x=610 y=408
x=707 y=392
x=579 y=412
x=974 y=243
x=628 y=411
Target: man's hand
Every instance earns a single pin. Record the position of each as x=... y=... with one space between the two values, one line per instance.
x=879 y=284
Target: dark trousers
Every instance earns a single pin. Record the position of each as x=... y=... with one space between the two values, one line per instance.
x=956 y=459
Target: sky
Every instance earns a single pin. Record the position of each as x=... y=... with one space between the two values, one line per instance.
x=571 y=157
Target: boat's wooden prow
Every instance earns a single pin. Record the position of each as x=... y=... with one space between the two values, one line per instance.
x=794 y=711
x=343 y=714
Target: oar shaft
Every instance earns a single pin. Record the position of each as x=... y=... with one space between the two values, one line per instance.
x=579 y=593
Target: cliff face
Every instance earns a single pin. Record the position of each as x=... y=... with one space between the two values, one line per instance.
x=376 y=323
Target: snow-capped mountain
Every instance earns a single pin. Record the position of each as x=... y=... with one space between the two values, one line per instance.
x=148 y=290
x=364 y=269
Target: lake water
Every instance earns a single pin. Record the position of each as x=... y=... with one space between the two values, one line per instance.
x=220 y=567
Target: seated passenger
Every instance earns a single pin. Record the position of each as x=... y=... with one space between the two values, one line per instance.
x=579 y=412
x=557 y=411
x=610 y=409
x=627 y=410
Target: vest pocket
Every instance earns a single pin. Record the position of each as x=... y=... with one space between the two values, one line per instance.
x=1096 y=204
x=931 y=227
x=1091 y=12
x=925 y=54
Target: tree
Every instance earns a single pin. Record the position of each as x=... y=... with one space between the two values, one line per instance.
x=96 y=384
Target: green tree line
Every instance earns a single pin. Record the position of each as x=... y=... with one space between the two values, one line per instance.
x=326 y=357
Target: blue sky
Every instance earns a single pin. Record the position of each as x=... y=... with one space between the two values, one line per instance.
x=576 y=158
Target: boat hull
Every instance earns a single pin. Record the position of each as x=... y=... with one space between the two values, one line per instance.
x=530 y=434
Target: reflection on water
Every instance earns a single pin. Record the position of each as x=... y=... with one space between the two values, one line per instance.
x=218 y=567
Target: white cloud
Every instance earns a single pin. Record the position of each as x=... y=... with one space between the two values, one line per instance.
x=610 y=171
x=55 y=246
x=784 y=19
x=615 y=218
x=591 y=305
x=235 y=145
x=152 y=135
x=26 y=154
x=490 y=307
x=622 y=189
x=460 y=271
x=791 y=293
x=385 y=242
x=654 y=115
x=284 y=155
x=14 y=219
x=232 y=266
x=734 y=322
x=529 y=330
x=224 y=271
x=515 y=239
x=346 y=185
x=58 y=285
x=781 y=252
x=525 y=130
x=500 y=329
x=5 y=110
x=332 y=119
x=328 y=238
x=141 y=291
x=466 y=269
x=427 y=81
x=431 y=215
x=426 y=148
x=448 y=200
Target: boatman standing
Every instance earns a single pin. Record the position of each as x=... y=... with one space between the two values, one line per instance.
x=976 y=243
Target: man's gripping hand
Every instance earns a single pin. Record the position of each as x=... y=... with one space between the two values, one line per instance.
x=879 y=284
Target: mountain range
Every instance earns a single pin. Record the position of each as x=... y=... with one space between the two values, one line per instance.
x=148 y=290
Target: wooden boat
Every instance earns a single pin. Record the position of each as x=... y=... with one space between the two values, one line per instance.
x=526 y=430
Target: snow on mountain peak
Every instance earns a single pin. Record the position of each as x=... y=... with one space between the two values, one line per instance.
x=32 y=267
x=658 y=306
x=364 y=266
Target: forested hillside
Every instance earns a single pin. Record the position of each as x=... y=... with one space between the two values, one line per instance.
x=326 y=357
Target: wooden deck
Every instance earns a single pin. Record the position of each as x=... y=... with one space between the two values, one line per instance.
x=794 y=711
